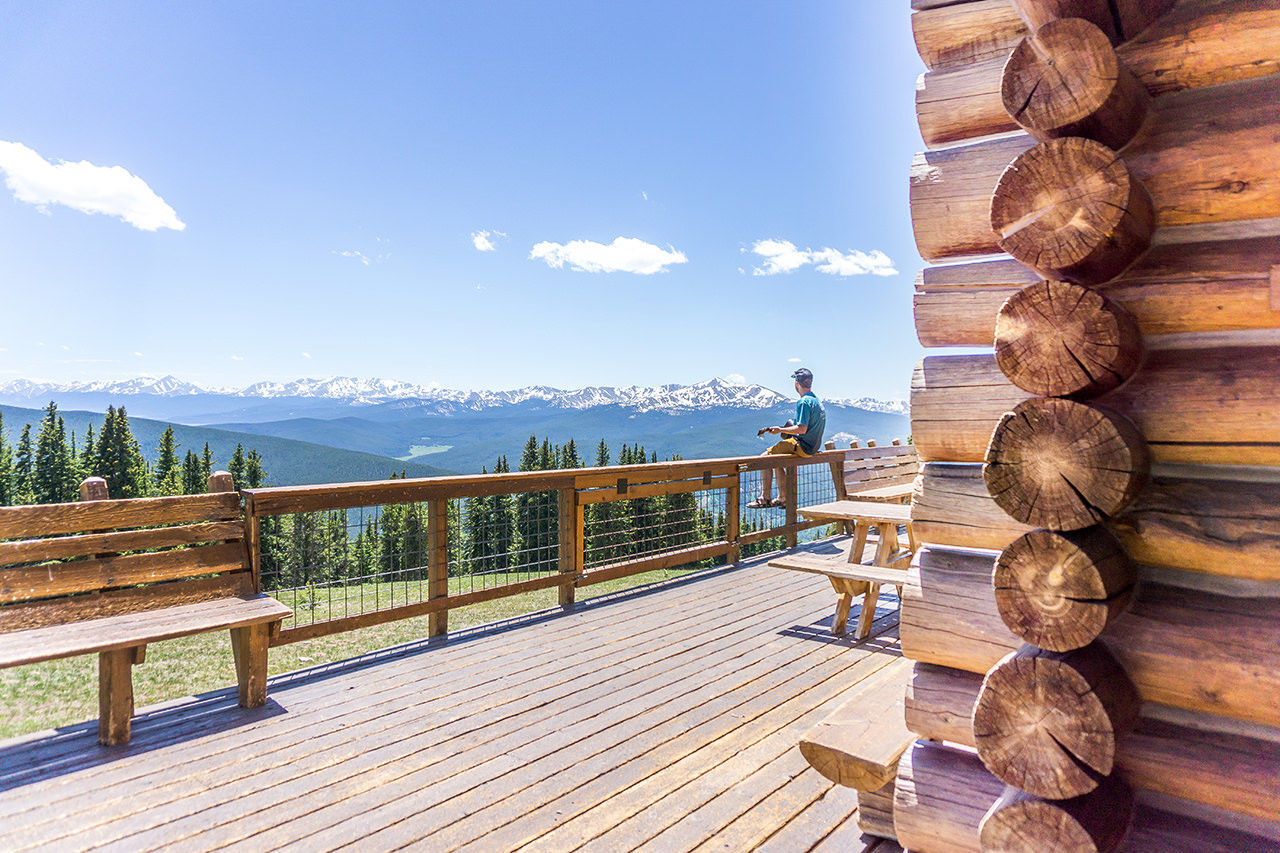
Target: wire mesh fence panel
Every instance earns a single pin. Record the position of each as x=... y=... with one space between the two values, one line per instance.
x=341 y=563
x=815 y=486
x=632 y=529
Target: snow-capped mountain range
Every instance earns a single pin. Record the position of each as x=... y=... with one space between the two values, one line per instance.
x=715 y=392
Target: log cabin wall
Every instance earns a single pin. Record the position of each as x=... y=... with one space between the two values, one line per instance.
x=1095 y=610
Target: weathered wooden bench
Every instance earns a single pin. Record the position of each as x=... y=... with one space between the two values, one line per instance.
x=859 y=744
x=874 y=473
x=111 y=576
x=853 y=577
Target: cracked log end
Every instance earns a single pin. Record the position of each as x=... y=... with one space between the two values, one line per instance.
x=1059 y=339
x=1064 y=465
x=1066 y=80
x=1059 y=590
x=1070 y=209
x=1095 y=822
x=1048 y=722
x=1120 y=20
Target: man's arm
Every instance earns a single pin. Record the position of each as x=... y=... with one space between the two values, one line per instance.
x=798 y=429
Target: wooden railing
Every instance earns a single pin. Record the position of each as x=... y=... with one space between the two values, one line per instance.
x=574 y=550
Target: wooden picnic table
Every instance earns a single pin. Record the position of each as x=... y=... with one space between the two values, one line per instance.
x=853 y=577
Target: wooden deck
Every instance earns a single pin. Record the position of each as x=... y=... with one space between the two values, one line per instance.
x=666 y=719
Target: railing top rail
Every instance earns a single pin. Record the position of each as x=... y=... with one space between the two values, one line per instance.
x=329 y=496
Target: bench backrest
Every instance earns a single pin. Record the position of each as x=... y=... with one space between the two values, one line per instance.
x=65 y=563
x=875 y=467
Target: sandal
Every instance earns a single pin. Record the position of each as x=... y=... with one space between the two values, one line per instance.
x=761 y=503
x=778 y=503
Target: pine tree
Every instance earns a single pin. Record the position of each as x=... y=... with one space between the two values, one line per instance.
x=23 y=469
x=168 y=473
x=501 y=522
x=526 y=506
x=192 y=484
x=569 y=456
x=236 y=468
x=117 y=458
x=255 y=471
x=206 y=462
x=6 y=468
x=53 y=475
x=87 y=454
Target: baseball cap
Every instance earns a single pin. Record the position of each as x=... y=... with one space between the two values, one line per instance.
x=804 y=376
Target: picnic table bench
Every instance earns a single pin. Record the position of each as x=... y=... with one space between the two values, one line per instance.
x=852 y=576
x=111 y=576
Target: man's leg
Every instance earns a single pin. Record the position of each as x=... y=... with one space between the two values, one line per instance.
x=766 y=483
x=782 y=481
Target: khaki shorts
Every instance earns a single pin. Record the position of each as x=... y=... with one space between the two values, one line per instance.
x=787 y=447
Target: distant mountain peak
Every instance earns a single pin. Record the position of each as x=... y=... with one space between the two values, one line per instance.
x=714 y=392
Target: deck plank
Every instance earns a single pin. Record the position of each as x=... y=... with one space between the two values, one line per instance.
x=672 y=714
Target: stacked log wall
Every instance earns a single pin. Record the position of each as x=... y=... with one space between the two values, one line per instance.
x=1168 y=624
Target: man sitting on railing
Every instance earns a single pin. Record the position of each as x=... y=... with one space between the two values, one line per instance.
x=804 y=438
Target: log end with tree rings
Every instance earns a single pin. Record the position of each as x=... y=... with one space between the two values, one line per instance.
x=1064 y=465
x=1095 y=822
x=1066 y=80
x=1071 y=210
x=1059 y=590
x=1048 y=722
x=1059 y=339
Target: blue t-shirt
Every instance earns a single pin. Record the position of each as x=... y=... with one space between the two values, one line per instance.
x=809 y=412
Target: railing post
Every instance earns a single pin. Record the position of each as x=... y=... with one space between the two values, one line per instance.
x=792 y=503
x=570 y=534
x=732 y=519
x=438 y=563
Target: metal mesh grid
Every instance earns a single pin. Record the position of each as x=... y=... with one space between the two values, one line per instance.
x=340 y=563
x=331 y=565
x=622 y=530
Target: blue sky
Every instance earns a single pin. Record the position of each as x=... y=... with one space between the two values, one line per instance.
x=307 y=180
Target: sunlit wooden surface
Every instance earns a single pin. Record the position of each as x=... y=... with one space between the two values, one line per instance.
x=666 y=719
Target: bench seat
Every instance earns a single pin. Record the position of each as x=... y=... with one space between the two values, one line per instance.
x=859 y=744
x=130 y=630
x=817 y=565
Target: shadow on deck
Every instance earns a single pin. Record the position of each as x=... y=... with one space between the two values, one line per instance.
x=662 y=718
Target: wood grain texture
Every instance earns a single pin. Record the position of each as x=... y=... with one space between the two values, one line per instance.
x=1049 y=722
x=1070 y=209
x=42 y=520
x=948 y=792
x=1174 y=288
x=1064 y=465
x=858 y=744
x=959 y=34
x=1120 y=19
x=1065 y=79
x=1059 y=590
x=58 y=579
x=1219 y=527
x=1186 y=648
x=1194 y=172
x=1057 y=339
x=1202 y=43
x=66 y=547
x=940 y=797
x=1095 y=822
x=1212 y=405
x=1193 y=760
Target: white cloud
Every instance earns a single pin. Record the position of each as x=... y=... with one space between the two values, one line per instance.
x=624 y=254
x=486 y=241
x=65 y=347
x=237 y=358
x=82 y=186
x=306 y=355
x=644 y=195
x=844 y=438
x=794 y=360
x=138 y=354
x=783 y=256
x=351 y=253
x=736 y=379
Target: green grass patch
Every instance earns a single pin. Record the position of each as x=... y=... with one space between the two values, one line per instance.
x=61 y=692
